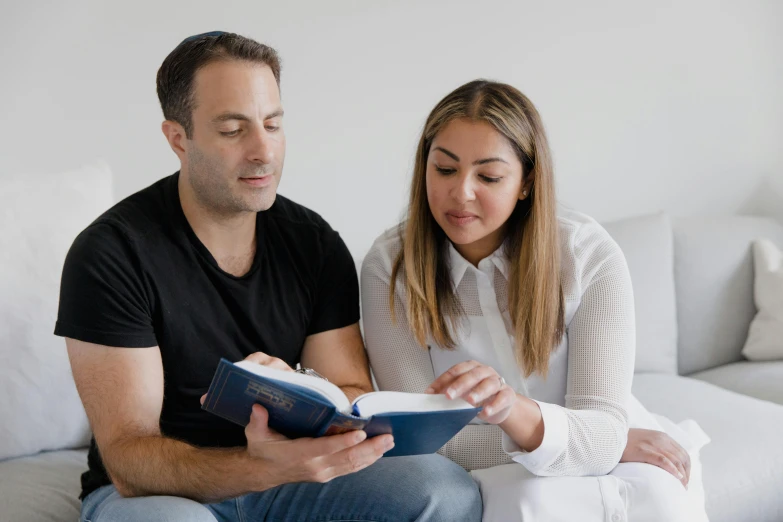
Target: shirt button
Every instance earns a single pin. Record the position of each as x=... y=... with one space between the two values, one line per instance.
x=617 y=517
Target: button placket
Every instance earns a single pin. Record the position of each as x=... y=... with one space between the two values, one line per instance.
x=496 y=327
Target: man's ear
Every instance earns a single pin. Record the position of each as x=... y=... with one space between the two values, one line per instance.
x=175 y=135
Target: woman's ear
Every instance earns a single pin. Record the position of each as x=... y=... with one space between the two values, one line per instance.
x=527 y=188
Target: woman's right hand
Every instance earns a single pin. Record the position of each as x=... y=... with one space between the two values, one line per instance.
x=480 y=385
x=659 y=449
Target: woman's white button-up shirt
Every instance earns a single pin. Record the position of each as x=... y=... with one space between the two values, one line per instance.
x=582 y=397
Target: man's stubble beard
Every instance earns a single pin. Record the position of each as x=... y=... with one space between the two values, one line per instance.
x=212 y=190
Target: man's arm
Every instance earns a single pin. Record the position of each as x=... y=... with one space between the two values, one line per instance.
x=339 y=356
x=122 y=392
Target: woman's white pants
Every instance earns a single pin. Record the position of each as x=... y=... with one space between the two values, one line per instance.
x=632 y=492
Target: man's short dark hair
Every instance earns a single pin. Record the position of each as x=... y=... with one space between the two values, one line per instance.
x=176 y=74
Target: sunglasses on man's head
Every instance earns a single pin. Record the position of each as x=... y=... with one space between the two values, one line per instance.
x=195 y=36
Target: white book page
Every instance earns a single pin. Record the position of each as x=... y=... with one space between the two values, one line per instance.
x=373 y=403
x=329 y=391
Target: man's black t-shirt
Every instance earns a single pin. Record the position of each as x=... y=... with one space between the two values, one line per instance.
x=139 y=277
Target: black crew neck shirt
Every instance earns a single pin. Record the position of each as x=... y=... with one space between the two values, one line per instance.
x=139 y=277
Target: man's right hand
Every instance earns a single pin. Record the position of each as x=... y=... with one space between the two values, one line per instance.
x=306 y=459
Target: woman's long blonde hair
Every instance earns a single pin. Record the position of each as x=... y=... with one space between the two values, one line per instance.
x=535 y=297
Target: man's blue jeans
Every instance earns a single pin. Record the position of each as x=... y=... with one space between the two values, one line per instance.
x=394 y=489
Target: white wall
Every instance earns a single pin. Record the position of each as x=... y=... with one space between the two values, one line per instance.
x=674 y=106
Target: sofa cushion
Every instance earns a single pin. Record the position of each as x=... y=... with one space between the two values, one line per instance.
x=42 y=487
x=713 y=274
x=743 y=465
x=39 y=218
x=647 y=244
x=765 y=336
x=763 y=380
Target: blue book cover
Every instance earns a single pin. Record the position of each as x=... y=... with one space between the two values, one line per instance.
x=306 y=406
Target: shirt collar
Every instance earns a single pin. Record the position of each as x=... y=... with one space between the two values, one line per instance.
x=459 y=265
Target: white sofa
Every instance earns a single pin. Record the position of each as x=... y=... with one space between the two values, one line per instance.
x=693 y=289
x=693 y=284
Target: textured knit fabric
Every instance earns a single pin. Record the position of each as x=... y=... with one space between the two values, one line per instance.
x=583 y=396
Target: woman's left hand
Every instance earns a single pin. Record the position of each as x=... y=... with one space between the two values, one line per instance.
x=480 y=385
x=659 y=449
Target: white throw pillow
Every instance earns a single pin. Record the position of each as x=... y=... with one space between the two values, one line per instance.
x=40 y=215
x=765 y=337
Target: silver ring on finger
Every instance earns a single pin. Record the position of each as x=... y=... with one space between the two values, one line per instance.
x=502 y=381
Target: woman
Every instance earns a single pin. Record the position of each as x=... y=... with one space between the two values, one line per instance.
x=489 y=293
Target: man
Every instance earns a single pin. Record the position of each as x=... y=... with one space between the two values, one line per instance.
x=210 y=263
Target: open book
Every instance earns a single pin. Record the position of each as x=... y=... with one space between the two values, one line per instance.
x=306 y=406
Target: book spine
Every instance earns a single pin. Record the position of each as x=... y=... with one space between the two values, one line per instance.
x=293 y=411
